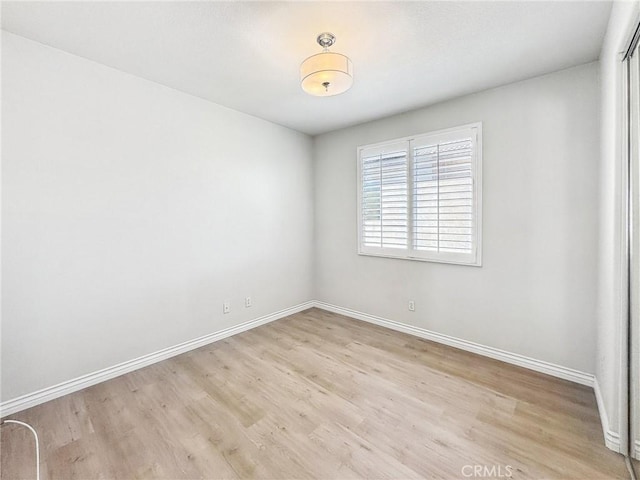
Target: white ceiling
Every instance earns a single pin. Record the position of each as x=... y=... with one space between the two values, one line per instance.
x=246 y=55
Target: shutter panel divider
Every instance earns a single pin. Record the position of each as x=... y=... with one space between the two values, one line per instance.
x=410 y=191
x=438 y=197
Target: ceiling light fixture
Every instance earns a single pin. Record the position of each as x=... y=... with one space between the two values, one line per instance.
x=327 y=73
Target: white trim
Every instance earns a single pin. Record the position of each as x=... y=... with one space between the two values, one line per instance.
x=621 y=154
x=495 y=353
x=405 y=144
x=611 y=438
x=36 y=398
x=623 y=277
x=443 y=131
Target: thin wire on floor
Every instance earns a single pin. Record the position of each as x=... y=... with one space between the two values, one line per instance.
x=35 y=436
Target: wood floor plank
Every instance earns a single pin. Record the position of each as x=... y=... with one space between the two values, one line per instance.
x=317 y=395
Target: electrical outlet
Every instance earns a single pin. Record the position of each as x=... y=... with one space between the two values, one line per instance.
x=247 y=302
x=412 y=306
x=226 y=308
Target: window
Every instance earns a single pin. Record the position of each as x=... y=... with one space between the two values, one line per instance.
x=419 y=198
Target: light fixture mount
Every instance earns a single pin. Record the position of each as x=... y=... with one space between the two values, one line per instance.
x=326 y=73
x=326 y=40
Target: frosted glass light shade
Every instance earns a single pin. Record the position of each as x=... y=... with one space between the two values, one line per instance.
x=326 y=74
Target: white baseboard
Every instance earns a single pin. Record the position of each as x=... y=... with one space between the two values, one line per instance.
x=611 y=438
x=636 y=450
x=495 y=353
x=32 y=399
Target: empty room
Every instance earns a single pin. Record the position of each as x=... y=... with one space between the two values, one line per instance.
x=320 y=240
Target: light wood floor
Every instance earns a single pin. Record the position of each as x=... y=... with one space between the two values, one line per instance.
x=318 y=395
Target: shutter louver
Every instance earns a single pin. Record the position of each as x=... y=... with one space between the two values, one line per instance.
x=443 y=197
x=385 y=199
x=420 y=197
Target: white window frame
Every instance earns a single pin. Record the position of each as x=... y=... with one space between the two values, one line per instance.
x=472 y=259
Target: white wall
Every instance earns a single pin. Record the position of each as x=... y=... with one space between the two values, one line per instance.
x=535 y=293
x=610 y=353
x=131 y=211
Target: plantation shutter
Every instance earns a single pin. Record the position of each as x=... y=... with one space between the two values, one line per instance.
x=420 y=197
x=384 y=197
x=443 y=195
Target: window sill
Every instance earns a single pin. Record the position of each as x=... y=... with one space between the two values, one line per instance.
x=474 y=263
